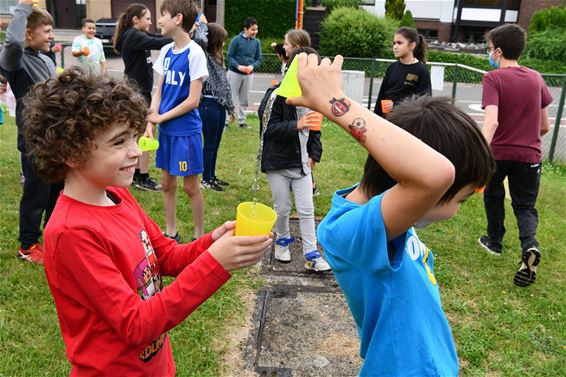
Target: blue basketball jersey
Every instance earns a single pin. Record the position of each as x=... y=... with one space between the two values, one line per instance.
x=178 y=69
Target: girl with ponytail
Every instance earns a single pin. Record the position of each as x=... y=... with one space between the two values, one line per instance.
x=407 y=76
x=134 y=42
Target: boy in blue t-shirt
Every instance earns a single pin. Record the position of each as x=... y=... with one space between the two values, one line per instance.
x=424 y=161
x=181 y=67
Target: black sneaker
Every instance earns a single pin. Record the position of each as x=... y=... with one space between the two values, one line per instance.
x=147 y=184
x=220 y=182
x=491 y=246
x=244 y=125
x=176 y=237
x=527 y=273
x=211 y=185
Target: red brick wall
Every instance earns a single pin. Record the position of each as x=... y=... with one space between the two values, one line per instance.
x=528 y=7
x=443 y=29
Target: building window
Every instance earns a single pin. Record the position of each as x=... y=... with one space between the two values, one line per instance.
x=429 y=33
x=5 y=6
x=511 y=4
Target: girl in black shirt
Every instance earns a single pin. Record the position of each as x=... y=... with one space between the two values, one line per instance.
x=407 y=76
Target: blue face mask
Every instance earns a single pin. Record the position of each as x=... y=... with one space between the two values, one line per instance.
x=492 y=63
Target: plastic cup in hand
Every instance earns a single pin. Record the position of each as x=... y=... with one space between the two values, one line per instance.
x=386 y=105
x=147 y=144
x=290 y=84
x=254 y=219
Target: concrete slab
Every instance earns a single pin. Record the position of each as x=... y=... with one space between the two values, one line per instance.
x=301 y=323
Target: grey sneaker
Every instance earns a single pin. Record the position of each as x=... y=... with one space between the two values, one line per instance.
x=489 y=245
x=315 y=262
x=527 y=273
x=147 y=184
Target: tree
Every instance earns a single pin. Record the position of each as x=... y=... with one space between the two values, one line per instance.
x=407 y=20
x=394 y=9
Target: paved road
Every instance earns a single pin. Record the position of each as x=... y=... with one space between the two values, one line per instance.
x=468 y=97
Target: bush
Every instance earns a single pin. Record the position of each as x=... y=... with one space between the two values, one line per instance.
x=550 y=18
x=355 y=33
x=480 y=62
x=333 y=4
x=274 y=17
x=407 y=20
x=549 y=44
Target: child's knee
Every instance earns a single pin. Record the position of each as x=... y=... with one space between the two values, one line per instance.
x=168 y=185
x=191 y=188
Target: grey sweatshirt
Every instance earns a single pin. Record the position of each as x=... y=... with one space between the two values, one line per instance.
x=22 y=67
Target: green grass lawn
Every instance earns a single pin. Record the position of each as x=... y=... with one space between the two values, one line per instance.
x=500 y=330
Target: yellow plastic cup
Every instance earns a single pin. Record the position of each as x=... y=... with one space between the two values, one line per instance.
x=290 y=84
x=147 y=144
x=254 y=219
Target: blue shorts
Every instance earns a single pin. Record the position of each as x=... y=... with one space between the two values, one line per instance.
x=180 y=155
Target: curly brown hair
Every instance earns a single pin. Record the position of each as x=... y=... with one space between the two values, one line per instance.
x=64 y=115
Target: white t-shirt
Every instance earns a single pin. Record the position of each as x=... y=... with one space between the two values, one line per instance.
x=92 y=61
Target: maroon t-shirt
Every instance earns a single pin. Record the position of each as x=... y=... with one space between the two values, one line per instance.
x=520 y=94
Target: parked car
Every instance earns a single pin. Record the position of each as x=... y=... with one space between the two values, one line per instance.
x=105 y=28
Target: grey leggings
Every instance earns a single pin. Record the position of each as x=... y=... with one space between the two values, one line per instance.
x=281 y=187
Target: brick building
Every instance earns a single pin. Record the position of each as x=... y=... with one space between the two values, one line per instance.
x=465 y=20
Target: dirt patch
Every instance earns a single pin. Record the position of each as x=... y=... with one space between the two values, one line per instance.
x=238 y=330
x=339 y=344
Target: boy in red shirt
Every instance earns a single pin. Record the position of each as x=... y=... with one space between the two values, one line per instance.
x=515 y=100
x=104 y=257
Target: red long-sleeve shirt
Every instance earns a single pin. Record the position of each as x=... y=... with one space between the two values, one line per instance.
x=104 y=266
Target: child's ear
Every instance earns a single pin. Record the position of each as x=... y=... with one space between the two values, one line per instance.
x=70 y=163
x=28 y=34
x=179 y=19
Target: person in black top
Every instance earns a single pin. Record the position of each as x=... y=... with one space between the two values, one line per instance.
x=134 y=42
x=407 y=76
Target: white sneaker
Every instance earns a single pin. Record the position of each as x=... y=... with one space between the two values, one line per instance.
x=315 y=262
x=282 y=250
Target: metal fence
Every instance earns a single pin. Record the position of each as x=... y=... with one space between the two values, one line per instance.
x=457 y=81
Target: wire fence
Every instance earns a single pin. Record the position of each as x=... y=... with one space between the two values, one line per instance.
x=362 y=79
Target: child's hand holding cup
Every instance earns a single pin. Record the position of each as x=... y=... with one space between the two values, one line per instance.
x=85 y=51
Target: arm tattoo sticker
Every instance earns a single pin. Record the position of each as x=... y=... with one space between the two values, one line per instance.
x=340 y=106
x=358 y=130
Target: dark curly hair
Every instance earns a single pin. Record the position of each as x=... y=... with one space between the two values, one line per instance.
x=64 y=115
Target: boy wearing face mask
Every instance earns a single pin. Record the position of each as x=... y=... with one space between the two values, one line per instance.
x=515 y=100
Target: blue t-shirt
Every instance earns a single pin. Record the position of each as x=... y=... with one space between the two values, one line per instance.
x=391 y=291
x=178 y=69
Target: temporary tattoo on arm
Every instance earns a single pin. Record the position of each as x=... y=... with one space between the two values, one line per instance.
x=358 y=130
x=340 y=106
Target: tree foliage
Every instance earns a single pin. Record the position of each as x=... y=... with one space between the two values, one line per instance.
x=394 y=9
x=407 y=20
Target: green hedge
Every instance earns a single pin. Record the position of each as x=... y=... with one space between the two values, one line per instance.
x=333 y=4
x=549 y=18
x=547 y=45
x=274 y=17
